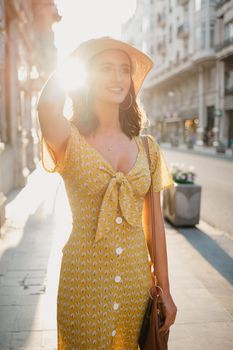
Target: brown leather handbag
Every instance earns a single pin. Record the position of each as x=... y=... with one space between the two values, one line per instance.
x=150 y=338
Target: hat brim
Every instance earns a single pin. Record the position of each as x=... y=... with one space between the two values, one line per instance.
x=141 y=62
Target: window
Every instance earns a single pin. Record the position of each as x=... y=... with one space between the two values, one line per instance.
x=212 y=35
x=203 y=34
x=200 y=34
x=197 y=5
x=229 y=79
x=145 y=24
x=152 y=49
x=151 y=21
x=228 y=30
x=170 y=33
x=170 y=5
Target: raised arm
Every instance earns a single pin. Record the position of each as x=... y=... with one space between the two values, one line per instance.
x=55 y=128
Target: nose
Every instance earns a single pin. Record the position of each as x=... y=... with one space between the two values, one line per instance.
x=117 y=74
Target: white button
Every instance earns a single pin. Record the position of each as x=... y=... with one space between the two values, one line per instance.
x=115 y=306
x=119 y=250
x=118 y=219
x=117 y=278
x=113 y=332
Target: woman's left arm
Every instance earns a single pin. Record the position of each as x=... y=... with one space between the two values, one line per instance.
x=161 y=268
x=161 y=179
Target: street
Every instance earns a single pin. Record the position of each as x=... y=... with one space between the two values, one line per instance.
x=38 y=224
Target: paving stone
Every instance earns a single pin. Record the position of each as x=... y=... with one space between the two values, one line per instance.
x=30 y=339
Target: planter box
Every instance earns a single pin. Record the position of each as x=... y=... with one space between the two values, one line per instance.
x=182 y=204
x=190 y=144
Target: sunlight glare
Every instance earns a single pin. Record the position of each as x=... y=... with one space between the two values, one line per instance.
x=83 y=20
x=71 y=74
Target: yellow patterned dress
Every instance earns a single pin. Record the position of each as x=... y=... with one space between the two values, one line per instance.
x=105 y=273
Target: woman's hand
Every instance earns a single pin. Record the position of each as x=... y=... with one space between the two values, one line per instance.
x=170 y=311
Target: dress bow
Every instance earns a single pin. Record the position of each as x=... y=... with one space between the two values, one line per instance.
x=119 y=191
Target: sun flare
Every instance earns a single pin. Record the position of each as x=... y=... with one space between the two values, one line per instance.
x=83 y=20
x=72 y=74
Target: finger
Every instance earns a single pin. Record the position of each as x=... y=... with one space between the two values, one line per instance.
x=166 y=325
x=163 y=328
x=164 y=331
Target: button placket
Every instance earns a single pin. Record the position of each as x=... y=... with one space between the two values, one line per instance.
x=119 y=250
x=118 y=217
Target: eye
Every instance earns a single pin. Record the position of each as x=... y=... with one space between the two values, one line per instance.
x=105 y=69
x=126 y=70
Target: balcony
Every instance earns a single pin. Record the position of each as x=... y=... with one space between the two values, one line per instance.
x=161 y=48
x=229 y=90
x=183 y=31
x=161 y=20
x=220 y=3
x=225 y=43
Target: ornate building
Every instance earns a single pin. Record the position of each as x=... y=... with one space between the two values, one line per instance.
x=27 y=56
x=224 y=51
x=183 y=95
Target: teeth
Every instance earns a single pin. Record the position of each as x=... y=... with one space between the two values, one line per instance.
x=115 y=89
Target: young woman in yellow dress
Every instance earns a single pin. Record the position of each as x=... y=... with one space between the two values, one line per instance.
x=105 y=271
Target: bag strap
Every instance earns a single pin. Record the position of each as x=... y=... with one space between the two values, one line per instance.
x=152 y=209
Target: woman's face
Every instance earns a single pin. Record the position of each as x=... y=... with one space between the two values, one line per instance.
x=110 y=76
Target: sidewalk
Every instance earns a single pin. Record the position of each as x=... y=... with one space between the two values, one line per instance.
x=38 y=224
x=201 y=150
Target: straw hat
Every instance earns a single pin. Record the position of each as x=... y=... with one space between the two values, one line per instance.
x=141 y=63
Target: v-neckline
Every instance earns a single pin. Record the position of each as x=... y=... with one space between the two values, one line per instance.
x=108 y=163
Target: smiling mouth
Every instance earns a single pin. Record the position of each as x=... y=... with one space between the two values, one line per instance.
x=115 y=90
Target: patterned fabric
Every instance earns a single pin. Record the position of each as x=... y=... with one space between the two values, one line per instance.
x=105 y=273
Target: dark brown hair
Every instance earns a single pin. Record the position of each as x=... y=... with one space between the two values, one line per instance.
x=131 y=120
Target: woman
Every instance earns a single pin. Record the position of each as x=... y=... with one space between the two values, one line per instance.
x=105 y=271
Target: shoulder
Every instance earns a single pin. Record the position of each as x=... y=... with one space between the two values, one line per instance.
x=154 y=146
x=154 y=150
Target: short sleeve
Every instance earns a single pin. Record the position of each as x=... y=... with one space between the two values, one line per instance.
x=161 y=175
x=48 y=159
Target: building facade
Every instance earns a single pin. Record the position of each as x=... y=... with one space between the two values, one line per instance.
x=27 y=56
x=182 y=95
x=224 y=66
